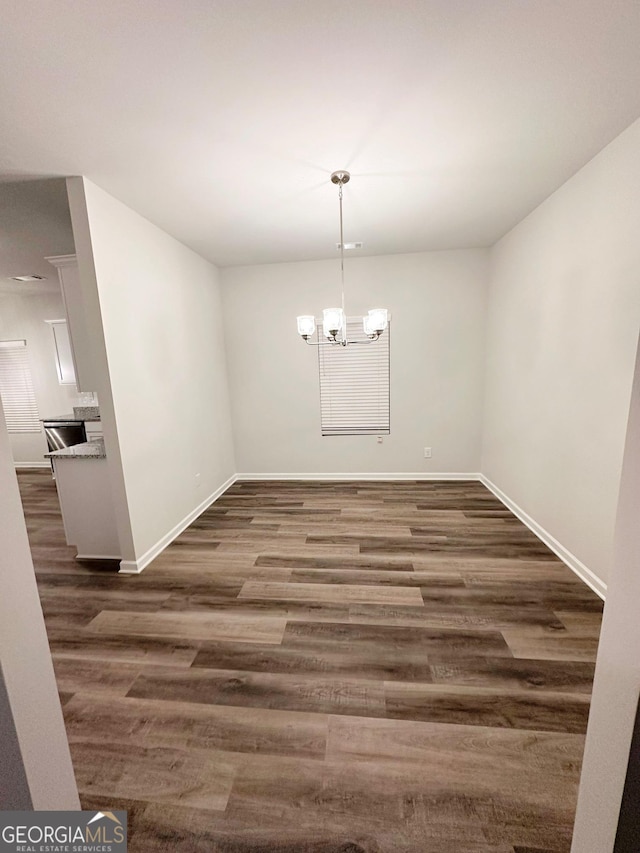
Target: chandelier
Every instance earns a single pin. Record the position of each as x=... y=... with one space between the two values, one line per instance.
x=334 y=320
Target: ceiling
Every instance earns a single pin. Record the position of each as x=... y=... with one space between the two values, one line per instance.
x=221 y=120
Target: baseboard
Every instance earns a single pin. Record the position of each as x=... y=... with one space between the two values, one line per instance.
x=362 y=476
x=134 y=567
x=585 y=574
x=96 y=557
x=20 y=465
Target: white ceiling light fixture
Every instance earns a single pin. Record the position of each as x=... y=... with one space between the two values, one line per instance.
x=334 y=322
x=27 y=278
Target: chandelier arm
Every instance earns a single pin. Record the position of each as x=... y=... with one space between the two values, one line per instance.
x=326 y=343
x=369 y=341
x=339 y=343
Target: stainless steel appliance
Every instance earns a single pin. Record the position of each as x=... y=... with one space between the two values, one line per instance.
x=61 y=434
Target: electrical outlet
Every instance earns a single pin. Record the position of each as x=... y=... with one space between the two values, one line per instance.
x=379 y=439
x=427 y=453
x=197 y=480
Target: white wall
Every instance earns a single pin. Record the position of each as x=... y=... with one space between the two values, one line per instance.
x=154 y=309
x=437 y=300
x=617 y=679
x=564 y=314
x=26 y=669
x=22 y=317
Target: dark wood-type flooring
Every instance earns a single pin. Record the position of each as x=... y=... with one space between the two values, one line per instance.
x=327 y=668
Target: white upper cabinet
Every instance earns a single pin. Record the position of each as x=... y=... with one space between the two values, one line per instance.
x=81 y=343
x=64 y=354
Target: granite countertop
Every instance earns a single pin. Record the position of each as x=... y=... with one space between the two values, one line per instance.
x=61 y=418
x=71 y=417
x=88 y=450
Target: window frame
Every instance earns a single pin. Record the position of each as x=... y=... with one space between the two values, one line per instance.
x=338 y=388
x=17 y=389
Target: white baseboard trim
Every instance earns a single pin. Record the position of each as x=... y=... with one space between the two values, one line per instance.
x=134 y=567
x=362 y=476
x=585 y=574
x=20 y=465
x=97 y=557
x=131 y=567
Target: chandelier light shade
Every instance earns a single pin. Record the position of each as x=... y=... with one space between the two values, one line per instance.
x=306 y=325
x=334 y=321
x=376 y=321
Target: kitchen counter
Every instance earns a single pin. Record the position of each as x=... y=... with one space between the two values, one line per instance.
x=71 y=417
x=55 y=418
x=87 y=450
x=86 y=500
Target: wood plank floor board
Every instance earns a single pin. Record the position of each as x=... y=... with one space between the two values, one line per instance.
x=204 y=579
x=186 y=725
x=402 y=514
x=581 y=624
x=326 y=667
x=378 y=578
x=67 y=642
x=284 y=547
x=248 y=538
x=515 y=674
x=199 y=778
x=203 y=576
x=448 y=615
x=528 y=617
x=566 y=590
x=480 y=706
x=289 y=610
x=291 y=692
x=549 y=837
x=482 y=750
x=530 y=573
x=519 y=849
x=57 y=600
x=331 y=593
x=72 y=613
x=199 y=626
x=343 y=531
x=556 y=647
x=110 y=678
x=481 y=597
x=383 y=638
x=282 y=512
x=395 y=803
x=440 y=545
x=253 y=829
x=333 y=563
x=362 y=662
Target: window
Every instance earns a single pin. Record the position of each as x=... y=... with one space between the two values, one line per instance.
x=354 y=384
x=16 y=388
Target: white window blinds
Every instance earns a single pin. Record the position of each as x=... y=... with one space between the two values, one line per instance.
x=16 y=388
x=354 y=384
